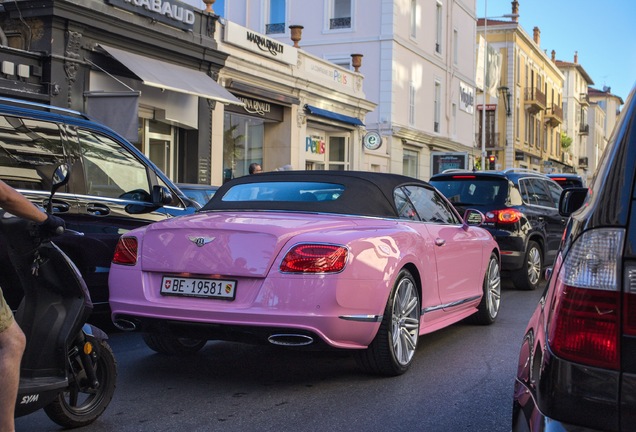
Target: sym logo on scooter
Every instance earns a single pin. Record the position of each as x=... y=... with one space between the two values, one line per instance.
x=29 y=399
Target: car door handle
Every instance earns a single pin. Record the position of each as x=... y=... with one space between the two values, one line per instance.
x=440 y=242
x=58 y=206
x=97 y=209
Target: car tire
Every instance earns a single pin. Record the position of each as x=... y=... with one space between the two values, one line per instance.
x=166 y=343
x=392 y=350
x=488 y=308
x=529 y=276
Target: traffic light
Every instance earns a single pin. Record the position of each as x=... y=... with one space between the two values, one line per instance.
x=491 y=162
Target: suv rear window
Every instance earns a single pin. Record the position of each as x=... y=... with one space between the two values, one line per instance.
x=475 y=191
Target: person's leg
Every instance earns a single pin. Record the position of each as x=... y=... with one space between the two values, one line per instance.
x=12 y=343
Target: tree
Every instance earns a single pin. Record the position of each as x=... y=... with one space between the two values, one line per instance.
x=566 y=141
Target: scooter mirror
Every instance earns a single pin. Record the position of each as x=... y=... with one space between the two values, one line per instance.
x=60 y=177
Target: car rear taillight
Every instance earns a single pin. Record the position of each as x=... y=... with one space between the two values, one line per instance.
x=314 y=258
x=126 y=251
x=584 y=325
x=505 y=216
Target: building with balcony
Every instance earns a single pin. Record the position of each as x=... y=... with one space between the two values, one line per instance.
x=602 y=116
x=417 y=58
x=523 y=107
x=576 y=105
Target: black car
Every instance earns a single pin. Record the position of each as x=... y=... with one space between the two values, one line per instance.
x=521 y=213
x=577 y=363
x=567 y=180
x=113 y=187
x=199 y=193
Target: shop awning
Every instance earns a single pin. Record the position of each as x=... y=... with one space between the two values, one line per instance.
x=333 y=115
x=168 y=76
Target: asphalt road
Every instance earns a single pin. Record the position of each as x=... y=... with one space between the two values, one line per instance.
x=461 y=380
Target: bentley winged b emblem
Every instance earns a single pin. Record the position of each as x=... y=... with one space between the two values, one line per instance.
x=201 y=241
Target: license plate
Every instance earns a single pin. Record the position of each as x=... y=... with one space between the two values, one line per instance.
x=194 y=287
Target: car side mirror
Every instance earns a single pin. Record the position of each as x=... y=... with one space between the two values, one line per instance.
x=161 y=195
x=473 y=217
x=571 y=200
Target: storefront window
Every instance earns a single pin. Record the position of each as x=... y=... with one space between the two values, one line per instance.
x=242 y=144
x=409 y=163
x=325 y=151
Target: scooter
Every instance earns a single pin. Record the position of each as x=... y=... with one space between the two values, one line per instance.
x=68 y=368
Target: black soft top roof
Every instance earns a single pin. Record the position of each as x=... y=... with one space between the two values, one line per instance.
x=365 y=193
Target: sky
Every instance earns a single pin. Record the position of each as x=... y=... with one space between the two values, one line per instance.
x=602 y=31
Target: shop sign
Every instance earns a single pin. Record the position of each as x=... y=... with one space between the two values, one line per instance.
x=171 y=12
x=315 y=145
x=254 y=106
x=519 y=155
x=466 y=98
x=257 y=107
x=372 y=140
x=489 y=107
x=255 y=42
x=328 y=73
x=441 y=161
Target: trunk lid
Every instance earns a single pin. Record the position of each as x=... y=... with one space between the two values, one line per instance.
x=231 y=244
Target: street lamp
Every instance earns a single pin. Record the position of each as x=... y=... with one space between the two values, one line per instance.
x=483 y=104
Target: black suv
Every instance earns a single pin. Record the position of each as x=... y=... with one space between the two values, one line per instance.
x=577 y=363
x=113 y=187
x=521 y=213
x=567 y=180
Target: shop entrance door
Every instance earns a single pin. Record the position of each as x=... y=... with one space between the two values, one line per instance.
x=160 y=146
x=338 y=152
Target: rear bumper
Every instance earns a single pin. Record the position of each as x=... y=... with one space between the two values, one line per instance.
x=526 y=416
x=513 y=249
x=262 y=307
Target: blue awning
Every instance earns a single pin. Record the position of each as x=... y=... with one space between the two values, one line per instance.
x=333 y=115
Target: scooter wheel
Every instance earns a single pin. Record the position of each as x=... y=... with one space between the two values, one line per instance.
x=80 y=405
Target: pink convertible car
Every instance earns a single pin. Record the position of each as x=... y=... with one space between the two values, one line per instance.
x=317 y=259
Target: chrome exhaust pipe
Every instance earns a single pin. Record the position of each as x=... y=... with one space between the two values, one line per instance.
x=290 y=339
x=125 y=324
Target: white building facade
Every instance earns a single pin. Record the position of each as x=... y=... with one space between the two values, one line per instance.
x=575 y=112
x=418 y=63
x=602 y=117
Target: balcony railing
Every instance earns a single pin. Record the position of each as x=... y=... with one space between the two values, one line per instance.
x=584 y=129
x=554 y=115
x=492 y=140
x=340 y=23
x=277 y=28
x=535 y=99
x=584 y=99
